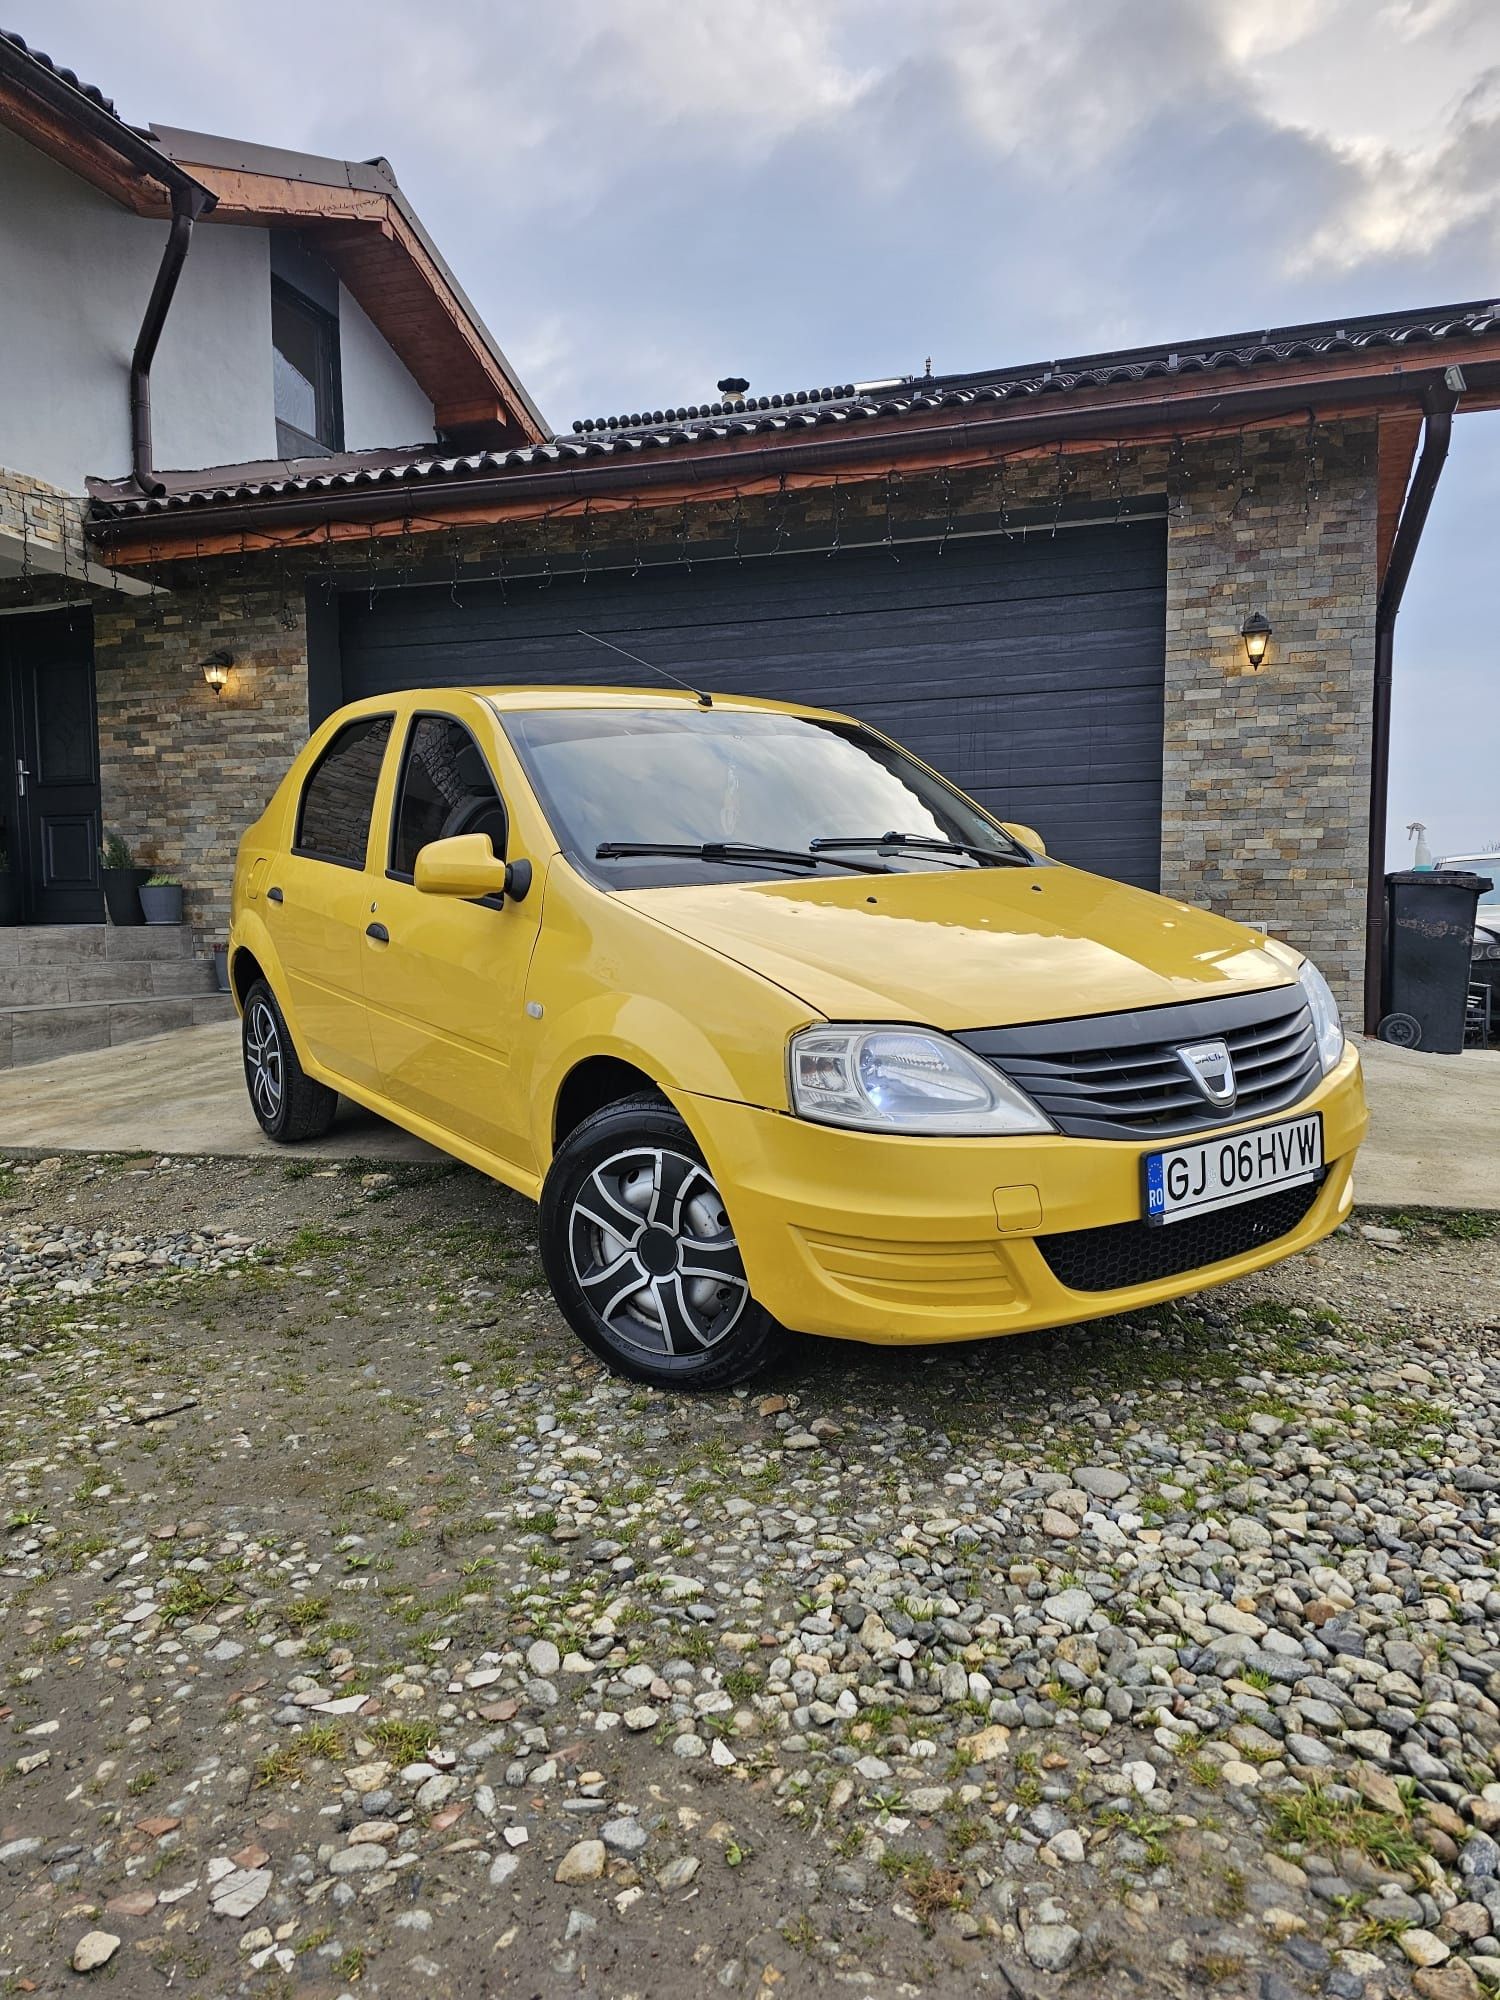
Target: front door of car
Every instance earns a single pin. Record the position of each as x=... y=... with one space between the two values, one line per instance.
x=318 y=897
x=445 y=984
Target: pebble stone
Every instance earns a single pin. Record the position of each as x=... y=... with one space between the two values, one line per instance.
x=1091 y=1627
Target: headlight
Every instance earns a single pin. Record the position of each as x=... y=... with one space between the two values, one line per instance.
x=1327 y=1025
x=909 y=1080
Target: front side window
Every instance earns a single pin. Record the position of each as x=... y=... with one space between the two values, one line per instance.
x=333 y=818
x=741 y=778
x=446 y=789
x=305 y=366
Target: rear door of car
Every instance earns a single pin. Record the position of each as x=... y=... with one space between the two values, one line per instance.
x=318 y=896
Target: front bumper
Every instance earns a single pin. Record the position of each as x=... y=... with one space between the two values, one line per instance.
x=868 y=1237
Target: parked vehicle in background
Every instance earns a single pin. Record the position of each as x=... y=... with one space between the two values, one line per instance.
x=780 y=1028
x=1487 y=916
x=1485 y=969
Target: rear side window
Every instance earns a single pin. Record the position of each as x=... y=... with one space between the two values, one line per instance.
x=445 y=789
x=333 y=819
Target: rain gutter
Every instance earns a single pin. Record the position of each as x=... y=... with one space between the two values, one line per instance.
x=188 y=203
x=1439 y=401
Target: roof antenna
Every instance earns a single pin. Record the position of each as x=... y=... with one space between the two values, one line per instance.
x=703 y=700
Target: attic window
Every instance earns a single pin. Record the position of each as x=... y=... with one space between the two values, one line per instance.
x=305 y=361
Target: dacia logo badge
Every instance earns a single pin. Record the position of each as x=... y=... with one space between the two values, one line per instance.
x=1210 y=1067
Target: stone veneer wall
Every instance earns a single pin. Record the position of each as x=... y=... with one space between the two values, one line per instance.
x=1265 y=808
x=43 y=532
x=184 y=771
x=1265 y=776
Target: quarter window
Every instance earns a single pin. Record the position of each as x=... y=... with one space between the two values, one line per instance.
x=333 y=819
x=446 y=789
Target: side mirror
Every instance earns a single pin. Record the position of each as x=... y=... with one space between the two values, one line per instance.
x=467 y=865
x=1027 y=835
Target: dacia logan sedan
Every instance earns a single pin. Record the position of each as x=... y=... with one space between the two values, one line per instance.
x=780 y=1028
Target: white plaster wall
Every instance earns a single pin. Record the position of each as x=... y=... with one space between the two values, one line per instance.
x=75 y=273
x=212 y=394
x=382 y=403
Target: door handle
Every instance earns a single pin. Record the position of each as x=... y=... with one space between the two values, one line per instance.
x=273 y=896
x=379 y=932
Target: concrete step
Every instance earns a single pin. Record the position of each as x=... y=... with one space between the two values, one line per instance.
x=82 y=979
x=37 y=1033
x=26 y=945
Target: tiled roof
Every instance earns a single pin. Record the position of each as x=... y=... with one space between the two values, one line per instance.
x=657 y=431
x=68 y=76
x=83 y=107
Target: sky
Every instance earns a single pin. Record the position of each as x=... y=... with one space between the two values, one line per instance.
x=641 y=196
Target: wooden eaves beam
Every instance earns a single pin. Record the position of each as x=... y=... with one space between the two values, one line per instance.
x=386 y=267
x=43 y=126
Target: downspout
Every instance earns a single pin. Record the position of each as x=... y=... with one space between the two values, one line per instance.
x=1439 y=402
x=188 y=203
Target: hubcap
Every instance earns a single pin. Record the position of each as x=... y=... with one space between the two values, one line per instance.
x=654 y=1253
x=263 y=1061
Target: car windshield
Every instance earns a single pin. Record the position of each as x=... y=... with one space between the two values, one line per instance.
x=742 y=779
x=1484 y=866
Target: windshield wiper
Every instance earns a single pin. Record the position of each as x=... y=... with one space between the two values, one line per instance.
x=746 y=853
x=993 y=857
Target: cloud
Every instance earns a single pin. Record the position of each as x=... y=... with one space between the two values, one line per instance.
x=641 y=196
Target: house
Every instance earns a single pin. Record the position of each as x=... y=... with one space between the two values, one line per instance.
x=175 y=300
x=1038 y=577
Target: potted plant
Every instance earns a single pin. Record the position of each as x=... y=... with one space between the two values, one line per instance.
x=161 y=900
x=121 y=881
x=10 y=888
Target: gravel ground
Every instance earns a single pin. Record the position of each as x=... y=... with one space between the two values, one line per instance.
x=361 y=1635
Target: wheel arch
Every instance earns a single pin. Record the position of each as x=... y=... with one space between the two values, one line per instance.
x=244 y=969
x=593 y=1083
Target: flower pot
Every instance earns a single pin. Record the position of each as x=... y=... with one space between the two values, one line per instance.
x=122 y=887
x=162 y=904
x=10 y=898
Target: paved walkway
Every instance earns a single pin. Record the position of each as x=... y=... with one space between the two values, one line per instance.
x=1434 y=1129
x=1435 y=1137
x=178 y=1093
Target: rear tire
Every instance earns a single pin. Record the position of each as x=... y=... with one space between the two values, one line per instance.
x=639 y=1252
x=288 y=1105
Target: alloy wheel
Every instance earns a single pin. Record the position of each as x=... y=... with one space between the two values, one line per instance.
x=654 y=1254
x=263 y=1067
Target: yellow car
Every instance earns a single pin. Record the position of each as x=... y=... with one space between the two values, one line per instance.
x=780 y=1028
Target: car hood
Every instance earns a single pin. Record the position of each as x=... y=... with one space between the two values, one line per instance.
x=987 y=947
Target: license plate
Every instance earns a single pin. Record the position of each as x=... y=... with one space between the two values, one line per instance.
x=1217 y=1173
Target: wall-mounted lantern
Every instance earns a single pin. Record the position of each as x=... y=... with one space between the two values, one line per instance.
x=1256 y=633
x=216 y=669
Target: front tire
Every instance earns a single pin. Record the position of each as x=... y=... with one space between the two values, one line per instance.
x=639 y=1252
x=289 y=1105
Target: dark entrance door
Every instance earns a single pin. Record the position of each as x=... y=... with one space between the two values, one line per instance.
x=49 y=787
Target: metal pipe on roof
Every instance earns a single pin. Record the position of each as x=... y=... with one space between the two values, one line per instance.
x=188 y=203
x=1439 y=402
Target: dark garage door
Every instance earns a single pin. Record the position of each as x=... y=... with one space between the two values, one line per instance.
x=1027 y=670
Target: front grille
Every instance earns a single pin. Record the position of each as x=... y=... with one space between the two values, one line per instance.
x=1118 y=1076
x=1137 y=1253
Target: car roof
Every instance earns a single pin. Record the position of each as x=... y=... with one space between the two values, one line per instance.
x=506 y=698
